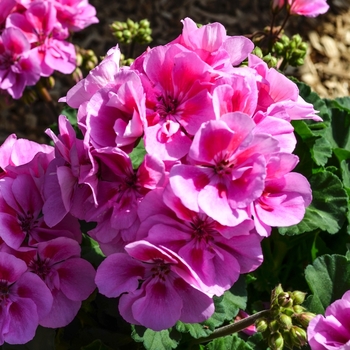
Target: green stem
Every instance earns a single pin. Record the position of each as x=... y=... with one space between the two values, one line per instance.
x=232 y=328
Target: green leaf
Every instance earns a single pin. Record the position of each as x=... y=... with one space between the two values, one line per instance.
x=90 y=251
x=138 y=154
x=97 y=345
x=230 y=342
x=328 y=278
x=321 y=151
x=163 y=340
x=327 y=211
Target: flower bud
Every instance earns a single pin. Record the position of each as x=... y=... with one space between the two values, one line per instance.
x=298 y=297
x=304 y=318
x=284 y=299
x=274 y=326
x=298 y=336
x=285 y=321
x=298 y=309
x=261 y=325
x=276 y=341
x=258 y=52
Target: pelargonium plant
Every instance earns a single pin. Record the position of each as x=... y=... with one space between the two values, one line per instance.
x=34 y=40
x=178 y=192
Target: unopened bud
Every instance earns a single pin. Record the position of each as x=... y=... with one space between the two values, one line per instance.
x=258 y=52
x=304 y=318
x=285 y=321
x=298 y=309
x=298 y=297
x=274 y=326
x=261 y=325
x=298 y=336
x=285 y=300
x=276 y=341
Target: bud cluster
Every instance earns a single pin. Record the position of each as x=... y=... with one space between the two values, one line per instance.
x=286 y=325
x=130 y=31
x=269 y=59
x=86 y=60
x=292 y=50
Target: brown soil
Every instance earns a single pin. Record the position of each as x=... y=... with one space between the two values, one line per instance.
x=326 y=67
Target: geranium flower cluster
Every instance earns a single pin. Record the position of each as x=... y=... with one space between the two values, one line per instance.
x=178 y=220
x=217 y=174
x=33 y=41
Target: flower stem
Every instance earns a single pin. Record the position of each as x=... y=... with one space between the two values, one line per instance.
x=232 y=328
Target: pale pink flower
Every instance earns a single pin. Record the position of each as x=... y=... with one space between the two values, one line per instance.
x=227 y=169
x=18 y=67
x=116 y=114
x=331 y=331
x=309 y=8
x=285 y=196
x=24 y=301
x=75 y=14
x=38 y=23
x=213 y=46
x=157 y=287
x=177 y=84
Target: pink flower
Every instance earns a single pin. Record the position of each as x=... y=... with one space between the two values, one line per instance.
x=21 y=220
x=211 y=43
x=227 y=169
x=75 y=14
x=217 y=253
x=332 y=331
x=177 y=83
x=69 y=278
x=38 y=23
x=18 y=67
x=24 y=301
x=309 y=8
x=158 y=287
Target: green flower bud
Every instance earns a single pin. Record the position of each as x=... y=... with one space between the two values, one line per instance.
x=285 y=40
x=304 y=318
x=303 y=46
x=276 y=341
x=261 y=325
x=297 y=39
x=274 y=326
x=130 y=23
x=258 y=52
x=298 y=309
x=298 y=297
x=144 y=23
x=298 y=336
x=127 y=34
x=278 y=47
x=285 y=300
x=285 y=321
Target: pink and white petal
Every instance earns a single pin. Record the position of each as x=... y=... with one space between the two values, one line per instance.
x=238 y=47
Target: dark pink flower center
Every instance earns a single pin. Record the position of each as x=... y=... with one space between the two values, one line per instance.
x=224 y=166
x=203 y=230
x=166 y=106
x=40 y=267
x=27 y=222
x=6 y=60
x=4 y=290
x=160 y=269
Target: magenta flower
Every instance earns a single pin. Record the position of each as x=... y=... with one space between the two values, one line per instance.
x=159 y=287
x=21 y=220
x=69 y=278
x=332 y=331
x=227 y=169
x=18 y=67
x=218 y=254
x=38 y=23
x=24 y=301
x=309 y=8
x=75 y=14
